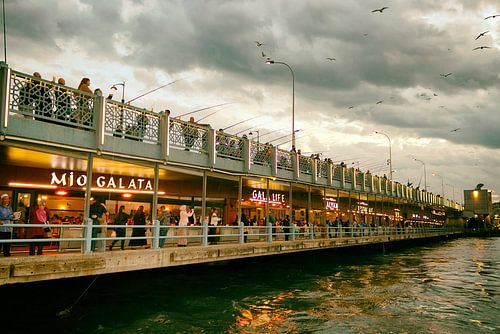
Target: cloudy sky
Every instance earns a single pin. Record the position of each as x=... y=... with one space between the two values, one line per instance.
x=399 y=57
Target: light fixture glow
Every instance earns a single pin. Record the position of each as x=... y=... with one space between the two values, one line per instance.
x=120 y=191
x=31 y=185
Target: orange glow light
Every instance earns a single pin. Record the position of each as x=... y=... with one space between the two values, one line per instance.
x=31 y=185
x=61 y=192
x=127 y=195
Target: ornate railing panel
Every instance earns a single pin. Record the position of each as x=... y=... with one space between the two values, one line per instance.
x=261 y=154
x=50 y=102
x=305 y=165
x=188 y=136
x=322 y=168
x=229 y=146
x=348 y=176
x=285 y=160
x=368 y=180
x=129 y=122
x=359 y=179
x=337 y=172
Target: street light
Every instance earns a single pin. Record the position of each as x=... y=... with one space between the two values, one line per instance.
x=123 y=89
x=425 y=172
x=269 y=61
x=251 y=133
x=390 y=153
x=442 y=183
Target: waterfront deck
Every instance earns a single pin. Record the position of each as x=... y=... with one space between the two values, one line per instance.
x=23 y=269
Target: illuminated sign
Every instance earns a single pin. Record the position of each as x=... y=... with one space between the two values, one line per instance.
x=70 y=179
x=260 y=196
x=331 y=203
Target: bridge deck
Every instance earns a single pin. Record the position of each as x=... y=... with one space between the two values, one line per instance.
x=32 y=269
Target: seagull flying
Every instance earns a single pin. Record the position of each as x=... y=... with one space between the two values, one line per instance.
x=379 y=10
x=379 y=102
x=330 y=58
x=350 y=107
x=259 y=44
x=455 y=130
x=481 y=35
x=481 y=47
x=491 y=16
x=446 y=75
x=263 y=54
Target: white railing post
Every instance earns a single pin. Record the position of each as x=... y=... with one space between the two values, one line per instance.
x=269 y=232
x=241 y=233
x=311 y=231
x=204 y=232
x=156 y=234
x=5 y=97
x=87 y=234
x=293 y=226
x=340 y=231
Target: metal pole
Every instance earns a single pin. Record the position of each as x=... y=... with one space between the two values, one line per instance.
x=154 y=213
x=88 y=186
x=390 y=153
x=240 y=195
x=204 y=196
x=290 y=195
x=293 y=97
x=4 y=33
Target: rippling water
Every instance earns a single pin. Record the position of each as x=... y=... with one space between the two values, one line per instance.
x=444 y=287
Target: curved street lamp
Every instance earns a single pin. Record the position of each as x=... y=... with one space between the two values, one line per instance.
x=390 y=153
x=442 y=183
x=123 y=89
x=269 y=61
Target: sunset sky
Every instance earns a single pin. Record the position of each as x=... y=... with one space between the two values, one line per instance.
x=402 y=57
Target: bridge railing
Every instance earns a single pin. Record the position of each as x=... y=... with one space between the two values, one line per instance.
x=88 y=237
x=261 y=154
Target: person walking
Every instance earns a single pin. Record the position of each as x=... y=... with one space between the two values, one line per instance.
x=97 y=211
x=6 y=216
x=164 y=219
x=212 y=230
x=182 y=241
x=121 y=218
x=39 y=215
x=139 y=218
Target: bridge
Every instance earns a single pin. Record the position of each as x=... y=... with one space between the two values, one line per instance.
x=62 y=146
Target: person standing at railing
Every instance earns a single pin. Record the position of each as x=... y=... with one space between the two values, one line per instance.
x=286 y=227
x=190 y=133
x=121 y=218
x=6 y=216
x=63 y=101
x=83 y=113
x=212 y=230
x=139 y=218
x=39 y=215
x=164 y=219
x=97 y=211
x=182 y=241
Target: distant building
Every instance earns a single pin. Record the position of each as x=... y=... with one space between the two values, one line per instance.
x=479 y=202
x=496 y=213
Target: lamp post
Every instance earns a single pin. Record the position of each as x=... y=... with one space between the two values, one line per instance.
x=270 y=62
x=442 y=183
x=251 y=133
x=425 y=172
x=390 y=153
x=123 y=89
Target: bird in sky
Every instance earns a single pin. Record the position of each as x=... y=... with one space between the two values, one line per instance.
x=435 y=94
x=366 y=35
x=263 y=54
x=491 y=16
x=481 y=35
x=379 y=10
x=330 y=58
x=259 y=44
x=455 y=130
x=446 y=75
x=481 y=47
x=380 y=102
x=350 y=107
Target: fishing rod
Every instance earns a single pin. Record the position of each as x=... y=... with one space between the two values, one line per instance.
x=202 y=109
x=201 y=119
x=154 y=90
x=249 y=119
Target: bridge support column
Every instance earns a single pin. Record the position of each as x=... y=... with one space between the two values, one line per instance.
x=156 y=233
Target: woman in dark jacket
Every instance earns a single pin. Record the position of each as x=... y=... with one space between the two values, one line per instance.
x=120 y=219
x=139 y=219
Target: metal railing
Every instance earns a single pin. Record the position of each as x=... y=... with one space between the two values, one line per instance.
x=305 y=165
x=88 y=237
x=285 y=160
x=47 y=101
x=261 y=154
x=229 y=146
x=322 y=168
x=188 y=136
x=123 y=120
x=337 y=172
